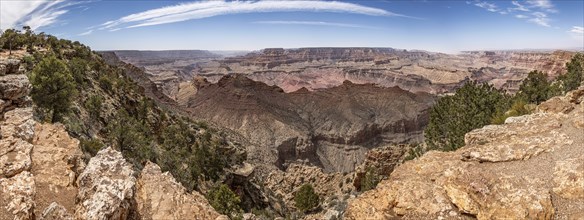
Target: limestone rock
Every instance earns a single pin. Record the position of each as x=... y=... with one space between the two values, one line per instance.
x=56 y=212
x=528 y=168
x=106 y=187
x=18 y=123
x=14 y=156
x=17 y=196
x=17 y=130
x=569 y=178
x=9 y=66
x=56 y=163
x=525 y=137
x=13 y=87
x=160 y=196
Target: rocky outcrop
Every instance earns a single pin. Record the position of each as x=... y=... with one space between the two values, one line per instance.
x=332 y=188
x=17 y=189
x=160 y=196
x=380 y=162
x=106 y=187
x=17 y=197
x=14 y=85
x=528 y=168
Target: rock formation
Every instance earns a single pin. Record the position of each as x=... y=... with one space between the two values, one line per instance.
x=331 y=128
x=159 y=196
x=528 y=168
x=17 y=189
x=318 y=68
x=106 y=187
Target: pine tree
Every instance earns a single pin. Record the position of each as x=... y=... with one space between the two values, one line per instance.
x=53 y=87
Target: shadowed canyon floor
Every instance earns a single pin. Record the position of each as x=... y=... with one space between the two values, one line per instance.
x=331 y=128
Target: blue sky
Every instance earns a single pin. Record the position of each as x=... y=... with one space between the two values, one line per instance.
x=441 y=26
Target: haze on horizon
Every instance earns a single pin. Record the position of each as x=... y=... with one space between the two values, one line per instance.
x=439 y=26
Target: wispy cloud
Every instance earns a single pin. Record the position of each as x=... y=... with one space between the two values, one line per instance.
x=519 y=7
x=206 y=9
x=316 y=23
x=521 y=16
x=86 y=33
x=488 y=6
x=545 y=5
x=540 y=18
x=577 y=30
x=36 y=14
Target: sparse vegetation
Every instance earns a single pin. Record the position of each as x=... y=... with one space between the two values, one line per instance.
x=370 y=180
x=472 y=106
x=225 y=201
x=575 y=74
x=306 y=199
x=111 y=110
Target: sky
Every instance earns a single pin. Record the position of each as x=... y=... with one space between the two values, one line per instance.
x=439 y=26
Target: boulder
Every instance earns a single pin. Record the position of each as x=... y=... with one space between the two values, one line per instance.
x=17 y=196
x=18 y=123
x=160 y=196
x=14 y=156
x=106 y=187
x=13 y=87
x=9 y=66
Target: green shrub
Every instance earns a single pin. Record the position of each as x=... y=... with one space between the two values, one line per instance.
x=575 y=75
x=91 y=146
x=518 y=108
x=306 y=199
x=93 y=105
x=225 y=201
x=370 y=180
x=471 y=107
x=536 y=88
x=79 y=68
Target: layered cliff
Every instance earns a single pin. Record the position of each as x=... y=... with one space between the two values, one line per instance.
x=316 y=68
x=531 y=167
x=330 y=128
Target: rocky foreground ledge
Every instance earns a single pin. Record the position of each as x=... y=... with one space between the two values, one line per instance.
x=531 y=167
x=43 y=175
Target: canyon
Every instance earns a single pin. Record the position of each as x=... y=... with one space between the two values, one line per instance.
x=317 y=68
x=326 y=106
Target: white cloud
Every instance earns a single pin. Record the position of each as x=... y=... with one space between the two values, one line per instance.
x=489 y=6
x=545 y=5
x=206 y=9
x=521 y=16
x=316 y=23
x=36 y=14
x=577 y=30
x=519 y=7
x=540 y=18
